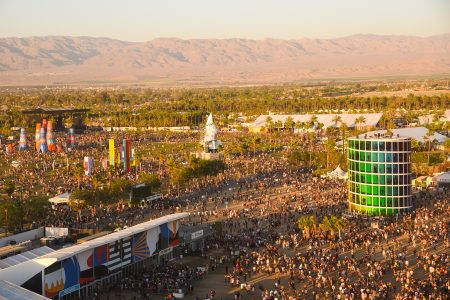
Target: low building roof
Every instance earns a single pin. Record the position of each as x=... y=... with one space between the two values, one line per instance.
x=417 y=133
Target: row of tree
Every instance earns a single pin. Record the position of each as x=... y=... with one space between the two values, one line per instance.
x=311 y=226
x=187 y=107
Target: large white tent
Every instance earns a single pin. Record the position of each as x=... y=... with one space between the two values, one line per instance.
x=60 y=199
x=371 y=119
x=427 y=119
x=337 y=173
x=15 y=272
x=417 y=133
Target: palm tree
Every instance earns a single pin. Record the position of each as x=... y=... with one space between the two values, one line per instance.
x=78 y=172
x=289 y=124
x=307 y=223
x=428 y=139
x=338 y=224
x=255 y=140
x=278 y=125
x=327 y=225
x=359 y=121
x=299 y=125
x=343 y=128
x=312 y=121
x=329 y=147
x=312 y=141
x=270 y=123
x=337 y=119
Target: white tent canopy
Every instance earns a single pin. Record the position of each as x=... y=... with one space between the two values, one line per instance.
x=337 y=173
x=442 y=178
x=60 y=199
x=417 y=133
x=20 y=273
x=371 y=119
x=10 y=291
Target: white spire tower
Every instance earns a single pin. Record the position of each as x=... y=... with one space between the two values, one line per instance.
x=210 y=141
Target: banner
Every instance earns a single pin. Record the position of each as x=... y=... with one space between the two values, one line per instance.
x=126 y=155
x=43 y=141
x=37 y=137
x=50 y=138
x=112 y=152
x=72 y=137
x=133 y=158
x=23 y=140
x=88 y=165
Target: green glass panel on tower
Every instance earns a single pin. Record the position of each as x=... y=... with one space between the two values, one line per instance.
x=379 y=173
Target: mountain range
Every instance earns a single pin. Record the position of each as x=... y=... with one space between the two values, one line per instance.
x=170 y=61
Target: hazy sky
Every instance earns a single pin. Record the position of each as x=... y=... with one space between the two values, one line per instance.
x=141 y=20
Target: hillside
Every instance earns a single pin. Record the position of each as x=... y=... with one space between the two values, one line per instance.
x=170 y=61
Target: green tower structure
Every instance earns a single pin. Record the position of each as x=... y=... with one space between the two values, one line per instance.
x=379 y=175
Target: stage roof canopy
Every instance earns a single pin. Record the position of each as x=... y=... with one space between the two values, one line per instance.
x=9 y=291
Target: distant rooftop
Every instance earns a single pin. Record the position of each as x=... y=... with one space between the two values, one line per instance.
x=381 y=136
x=417 y=133
x=54 y=110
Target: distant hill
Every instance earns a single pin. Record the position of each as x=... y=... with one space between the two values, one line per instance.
x=167 y=61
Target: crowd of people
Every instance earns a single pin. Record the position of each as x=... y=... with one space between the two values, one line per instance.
x=405 y=258
x=258 y=243
x=163 y=279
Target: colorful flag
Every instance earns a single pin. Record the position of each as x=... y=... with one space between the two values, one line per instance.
x=23 y=139
x=112 y=152
x=132 y=159
x=126 y=149
x=88 y=165
x=43 y=141
x=37 y=138
x=72 y=137
x=50 y=138
x=105 y=165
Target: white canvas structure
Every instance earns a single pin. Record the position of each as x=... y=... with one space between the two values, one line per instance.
x=337 y=173
x=25 y=256
x=210 y=142
x=16 y=274
x=417 y=133
x=60 y=199
x=10 y=291
x=372 y=119
x=424 y=120
x=442 y=178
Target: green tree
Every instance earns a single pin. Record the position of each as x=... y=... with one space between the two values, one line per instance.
x=36 y=209
x=289 y=124
x=9 y=187
x=359 y=121
x=330 y=149
x=428 y=141
x=307 y=223
x=337 y=119
x=78 y=172
x=151 y=180
x=255 y=140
